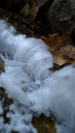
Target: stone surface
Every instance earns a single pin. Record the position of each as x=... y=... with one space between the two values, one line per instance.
x=41 y=3
x=17 y=5
x=61 y=14
x=13 y=5
x=58 y=14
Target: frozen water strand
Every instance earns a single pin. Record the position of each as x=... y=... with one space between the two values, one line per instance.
x=28 y=62
x=27 y=78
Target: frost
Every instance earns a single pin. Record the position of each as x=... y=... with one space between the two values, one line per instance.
x=29 y=81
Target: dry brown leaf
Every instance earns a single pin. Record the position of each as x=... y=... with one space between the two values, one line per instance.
x=44 y=124
x=36 y=36
x=52 y=42
x=34 y=10
x=58 y=60
x=61 y=48
x=28 y=12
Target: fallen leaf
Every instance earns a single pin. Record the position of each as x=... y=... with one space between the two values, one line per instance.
x=61 y=48
x=34 y=10
x=52 y=42
x=58 y=60
x=44 y=124
x=28 y=12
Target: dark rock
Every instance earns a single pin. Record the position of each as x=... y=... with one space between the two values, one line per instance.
x=42 y=3
x=13 y=5
x=57 y=15
x=61 y=13
x=26 y=8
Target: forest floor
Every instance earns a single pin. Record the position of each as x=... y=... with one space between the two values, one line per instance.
x=62 y=49
x=31 y=29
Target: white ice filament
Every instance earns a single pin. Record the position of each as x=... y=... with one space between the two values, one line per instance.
x=27 y=79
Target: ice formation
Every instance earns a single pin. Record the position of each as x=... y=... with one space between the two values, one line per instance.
x=27 y=79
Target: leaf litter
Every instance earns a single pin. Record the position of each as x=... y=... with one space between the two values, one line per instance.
x=62 y=49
